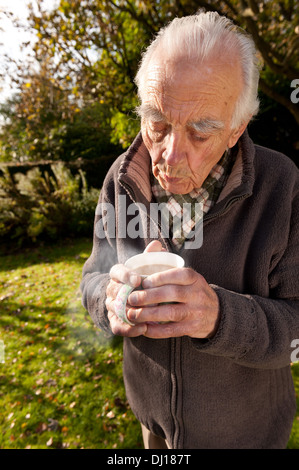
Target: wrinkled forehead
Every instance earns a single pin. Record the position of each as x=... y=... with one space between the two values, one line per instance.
x=190 y=89
x=167 y=69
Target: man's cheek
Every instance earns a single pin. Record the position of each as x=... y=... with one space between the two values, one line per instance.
x=155 y=150
x=156 y=155
x=148 y=141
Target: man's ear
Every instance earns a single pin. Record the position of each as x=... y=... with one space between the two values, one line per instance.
x=236 y=134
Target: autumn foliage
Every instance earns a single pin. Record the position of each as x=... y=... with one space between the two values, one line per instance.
x=77 y=94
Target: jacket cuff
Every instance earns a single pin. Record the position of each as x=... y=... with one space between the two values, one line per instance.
x=237 y=328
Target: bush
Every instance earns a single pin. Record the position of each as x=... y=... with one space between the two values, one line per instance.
x=45 y=206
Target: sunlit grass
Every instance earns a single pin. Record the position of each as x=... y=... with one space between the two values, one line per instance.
x=294 y=438
x=61 y=380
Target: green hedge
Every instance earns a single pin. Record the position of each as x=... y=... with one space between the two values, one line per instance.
x=45 y=205
x=94 y=170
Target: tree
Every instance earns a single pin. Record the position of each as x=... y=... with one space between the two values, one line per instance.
x=93 y=48
x=47 y=121
x=35 y=118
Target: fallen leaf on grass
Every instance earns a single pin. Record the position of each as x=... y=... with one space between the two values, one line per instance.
x=97 y=377
x=51 y=382
x=4 y=297
x=41 y=427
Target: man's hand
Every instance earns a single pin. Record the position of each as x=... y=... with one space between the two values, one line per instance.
x=120 y=275
x=195 y=312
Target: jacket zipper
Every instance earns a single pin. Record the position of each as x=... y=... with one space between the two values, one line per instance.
x=226 y=207
x=175 y=343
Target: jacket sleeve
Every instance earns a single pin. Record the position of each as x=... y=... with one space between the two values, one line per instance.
x=259 y=332
x=95 y=276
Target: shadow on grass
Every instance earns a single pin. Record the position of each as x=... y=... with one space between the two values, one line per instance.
x=63 y=329
x=63 y=250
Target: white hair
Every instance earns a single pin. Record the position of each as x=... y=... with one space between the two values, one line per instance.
x=198 y=38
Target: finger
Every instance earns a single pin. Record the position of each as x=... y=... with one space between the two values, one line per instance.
x=121 y=273
x=155 y=245
x=193 y=329
x=180 y=276
x=113 y=288
x=119 y=328
x=109 y=304
x=172 y=312
x=158 y=295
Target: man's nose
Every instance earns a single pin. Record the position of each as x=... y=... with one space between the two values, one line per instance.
x=175 y=149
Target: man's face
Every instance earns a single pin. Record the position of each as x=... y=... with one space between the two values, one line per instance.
x=186 y=114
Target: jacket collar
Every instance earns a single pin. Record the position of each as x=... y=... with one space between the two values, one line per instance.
x=135 y=169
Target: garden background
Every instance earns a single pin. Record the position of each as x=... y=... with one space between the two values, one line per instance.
x=71 y=115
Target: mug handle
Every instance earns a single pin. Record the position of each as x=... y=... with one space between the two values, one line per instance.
x=121 y=302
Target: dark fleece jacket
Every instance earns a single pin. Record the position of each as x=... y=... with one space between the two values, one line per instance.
x=234 y=390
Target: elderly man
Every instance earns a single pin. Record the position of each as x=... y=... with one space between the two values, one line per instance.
x=216 y=372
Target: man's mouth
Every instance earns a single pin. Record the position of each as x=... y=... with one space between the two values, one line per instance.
x=170 y=179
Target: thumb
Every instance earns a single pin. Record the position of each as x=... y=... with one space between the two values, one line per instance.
x=155 y=245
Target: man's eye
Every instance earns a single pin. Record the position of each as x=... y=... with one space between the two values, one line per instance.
x=199 y=138
x=158 y=126
x=158 y=130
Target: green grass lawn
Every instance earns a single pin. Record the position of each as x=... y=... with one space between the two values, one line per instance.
x=61 y=380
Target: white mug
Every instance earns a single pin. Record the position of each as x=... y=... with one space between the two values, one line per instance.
x=145 y=264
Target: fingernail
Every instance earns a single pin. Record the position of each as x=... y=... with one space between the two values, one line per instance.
x=131 y=315
x=147 y=283
x=133 y=299
x=134 y=279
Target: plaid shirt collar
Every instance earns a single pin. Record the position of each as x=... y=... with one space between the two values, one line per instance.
x=181 y=221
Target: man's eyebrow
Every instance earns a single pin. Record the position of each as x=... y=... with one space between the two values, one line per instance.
x=147 y=111
x=204 y=126
x=207 y=126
